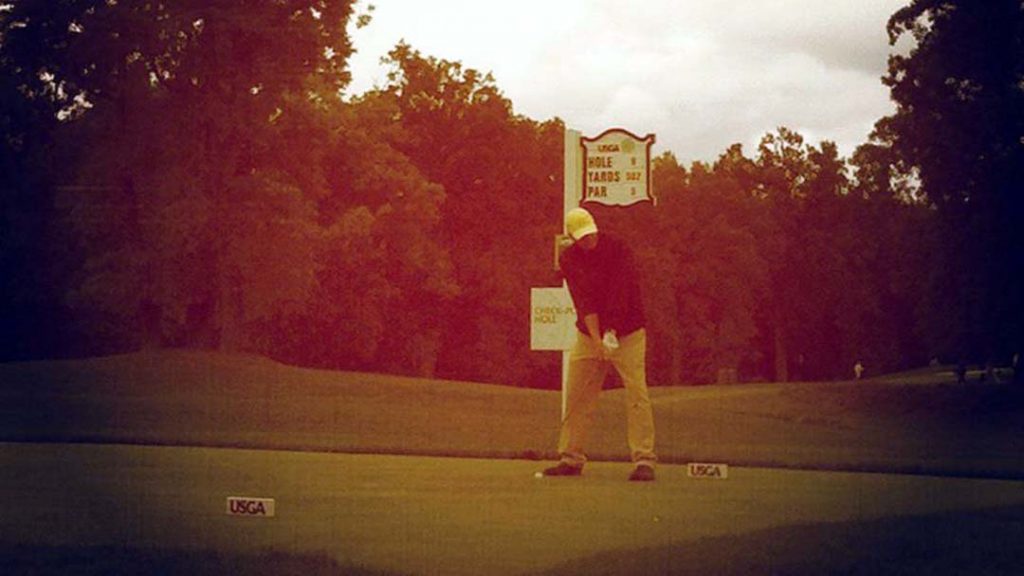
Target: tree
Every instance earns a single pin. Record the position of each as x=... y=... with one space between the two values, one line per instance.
x=815 y=256
x=959 y=125
x=501 y=177
x=702 y=268
x=907 y=313
x=184 y=100
x=411 y=275
x=33 y=273
x=782 y=169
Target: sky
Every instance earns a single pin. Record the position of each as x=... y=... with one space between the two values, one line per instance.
x=699 y=74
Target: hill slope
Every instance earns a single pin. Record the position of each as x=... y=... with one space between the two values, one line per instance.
x=207 y=399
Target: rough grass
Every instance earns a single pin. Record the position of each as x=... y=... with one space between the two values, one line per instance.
x=921 y=424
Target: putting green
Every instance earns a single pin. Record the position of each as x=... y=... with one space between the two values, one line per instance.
x=444 y=515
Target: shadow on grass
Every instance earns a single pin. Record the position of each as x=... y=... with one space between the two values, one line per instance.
x=975 y=542
x=43 y=560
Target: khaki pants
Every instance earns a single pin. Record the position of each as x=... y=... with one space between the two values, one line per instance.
x=587 y=372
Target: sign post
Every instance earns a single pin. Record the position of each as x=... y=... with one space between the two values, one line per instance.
x=571 y=197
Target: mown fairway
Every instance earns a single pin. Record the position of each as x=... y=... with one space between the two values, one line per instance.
x=222 y=423
x=421 y=515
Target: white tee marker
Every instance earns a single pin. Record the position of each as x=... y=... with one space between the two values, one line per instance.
x=707 y=470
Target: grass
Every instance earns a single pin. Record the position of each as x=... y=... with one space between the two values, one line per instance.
x=422 y=515
x=921 y=424
x=340 y=513
x=978 y=542
x=43 y=560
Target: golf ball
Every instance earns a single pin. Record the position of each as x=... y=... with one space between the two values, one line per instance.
x=538 y=474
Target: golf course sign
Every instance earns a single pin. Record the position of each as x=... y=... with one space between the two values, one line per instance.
x=617 y=168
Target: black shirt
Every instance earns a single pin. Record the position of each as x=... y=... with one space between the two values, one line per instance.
x=604 y=281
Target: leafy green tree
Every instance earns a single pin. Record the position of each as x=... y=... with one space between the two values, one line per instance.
x=501 y=176
x=182 y=100
x=781 y=171
x=32 y=271
x=657 y=257
x=813 y=252
x=902 y=263
x=395 y=274
x=702 y=268
x=959 y=125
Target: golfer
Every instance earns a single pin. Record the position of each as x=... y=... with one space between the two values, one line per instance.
x=605 y=289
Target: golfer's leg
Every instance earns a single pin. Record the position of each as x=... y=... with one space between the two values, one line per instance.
x=585 y=375
x=630 y=361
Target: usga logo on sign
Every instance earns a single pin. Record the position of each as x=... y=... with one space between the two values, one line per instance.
x=244 y=506
x=705 y=470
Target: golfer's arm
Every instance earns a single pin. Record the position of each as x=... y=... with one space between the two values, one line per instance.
x=581 y=298
x=594 y=327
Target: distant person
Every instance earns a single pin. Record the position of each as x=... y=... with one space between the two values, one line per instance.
x=1015 y=365
x=858 y=370
x=605 y=288
x=961 y=372
x=990 y=373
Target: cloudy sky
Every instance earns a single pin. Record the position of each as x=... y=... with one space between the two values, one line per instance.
x=700 y=74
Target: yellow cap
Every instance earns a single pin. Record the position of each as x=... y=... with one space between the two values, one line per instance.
x=579 y=223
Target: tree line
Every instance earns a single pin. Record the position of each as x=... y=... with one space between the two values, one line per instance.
x=185 y=174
